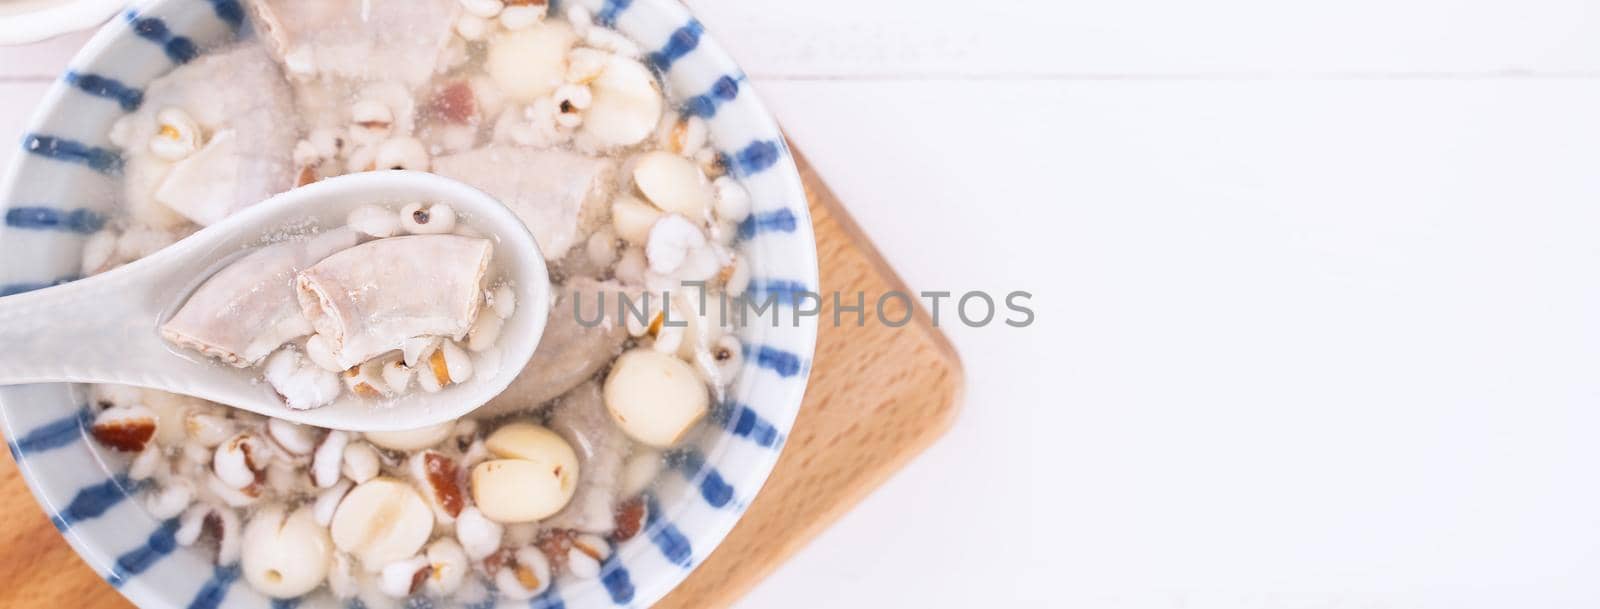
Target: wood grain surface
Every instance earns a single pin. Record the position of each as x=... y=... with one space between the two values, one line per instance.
x=877 y=397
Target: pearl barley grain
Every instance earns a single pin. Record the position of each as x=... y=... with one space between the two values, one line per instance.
x=521 y=16
x=449 y=566
x=234 y=497
x=145 y=464
x=373 y=221
x=503 y=301
x=372 y=120
x=486 y=9
x=293 y=438
x=668 y=339
x=670 y=243
x=414 y=350
x=328 y=458
x=419 y=219
x=580 y=18
x=397 y=578
x=397 y=376
x=526 y=576
x=472 y=27
x=342 y=581
x=238 y=459
x=328 y=500
x=484 y=333
x=457 y=363
x=172 y=500
x=585 y=65
x=727 y=356
x=361 y=462
x=177 y=135
x=207 y=430
x=402 y=153
x=733 y=201
x=479 y=535
x=587 y=552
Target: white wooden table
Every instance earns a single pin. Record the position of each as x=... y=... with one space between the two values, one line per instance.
x=1317 y=292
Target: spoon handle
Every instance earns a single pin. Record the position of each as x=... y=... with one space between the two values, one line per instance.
x=101 y=329
x=106 y=329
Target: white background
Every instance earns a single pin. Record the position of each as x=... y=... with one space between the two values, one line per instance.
x=1318 y=293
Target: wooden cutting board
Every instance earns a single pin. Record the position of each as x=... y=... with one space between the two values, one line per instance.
x=878 y=396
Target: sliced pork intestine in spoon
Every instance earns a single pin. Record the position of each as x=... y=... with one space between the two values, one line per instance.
x=369 y=299
x=249 y=308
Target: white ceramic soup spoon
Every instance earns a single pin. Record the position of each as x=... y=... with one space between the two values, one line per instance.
x=105 y=329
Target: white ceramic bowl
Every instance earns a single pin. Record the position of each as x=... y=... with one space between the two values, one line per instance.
x=64 y=185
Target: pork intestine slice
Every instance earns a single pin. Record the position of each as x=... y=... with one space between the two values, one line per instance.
x=581 y=418
x=369 y=299
x=249 y=308
x=358 y=40
x=560 y=195
x=244 y=124
x=570 y=352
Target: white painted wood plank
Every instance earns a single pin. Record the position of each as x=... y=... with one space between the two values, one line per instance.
x=1299 y=344
x=946 y=38
x=1130 y=38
